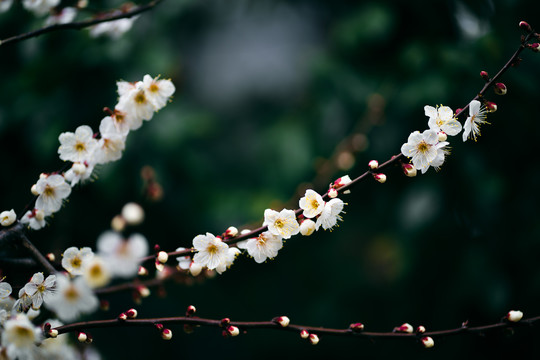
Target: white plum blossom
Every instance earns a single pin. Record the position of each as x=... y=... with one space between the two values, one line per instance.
x=52 y=190
x=71 y=298
x=232 y=253
x=78 y=146
x=184 y=262
x=265 y=246
x=477 y=116
x=136 y=103
x=312 y=204
x=74 y=259
x=79 y=172
x=122 y=256
x=281 y=223
x=64 y=16
x=40 y=289
x=20 y=338
x=424 y=149
x=34 y=218
x=96 y=272
x=158 y=90
x=40 y=7
x=307 y=227
x=5 y=289
x=442 y=119
x=330 y=214
x=124 y=122
x=114 y=29
x=211 y=251
x=7 y=217
x=112 y=142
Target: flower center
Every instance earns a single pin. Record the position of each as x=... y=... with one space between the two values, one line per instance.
x=140 y=98
x=423 y=147
x=279 y=223
x=41 y=288
x=80 y=147
x=23 y=336
x=76 y=262
x=95 y=271
x=314 y=203
x=49 y=191
x=154 y=88
x=71 y=294
x=212 y=249
x=261 y=240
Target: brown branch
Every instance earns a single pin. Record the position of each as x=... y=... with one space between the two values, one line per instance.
x=80 y=24
x=36 y=254
x=244 y=325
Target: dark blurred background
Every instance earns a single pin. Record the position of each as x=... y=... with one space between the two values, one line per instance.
x=273 y=96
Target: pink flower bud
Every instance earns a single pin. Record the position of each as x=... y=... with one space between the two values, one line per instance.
x=131 y=313
x=525 y=26
x=143 y=291
x=82 y=337
x=123 y=316
x=420 y=329
x=282 y=320
x=304 y=334
x=159 y=265
x=307 y=227
x=405 y=328
x=534 y=47
x=356 y=327
x=491 y=106
x=484 y=75
x=231 y=231
x=500 y=89
x=313 y=339
x=191 y=310
x=514 y=316
x=380 y=178
x=195 y=269
x=166 y=334
x=225 y=322
x=53 y=333
x=373 y=164
x=427 y=342
x=51 y=257
x=342 y=181
x=409 y=170
x=332 y=193
x=142 y=271
x=233 y=331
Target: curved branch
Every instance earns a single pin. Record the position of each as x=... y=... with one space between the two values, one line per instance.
x=80 y=24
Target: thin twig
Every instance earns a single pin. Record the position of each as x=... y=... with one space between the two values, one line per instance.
x=80 y=24
x=36 y=254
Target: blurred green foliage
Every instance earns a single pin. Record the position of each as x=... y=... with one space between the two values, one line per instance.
x=265 y=90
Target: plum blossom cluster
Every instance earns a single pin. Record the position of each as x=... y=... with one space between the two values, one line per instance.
x=430 y=148
x=85 y=149
x=213 y=253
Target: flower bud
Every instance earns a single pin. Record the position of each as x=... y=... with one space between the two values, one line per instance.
x=420 y=329
x=304 y=334
x=356 y=327
x=514 y=315
x=118 y=223
x=191 y=310
x=307 y=227
x=534 y=47
x=313 y=339
x=284 y=321
x=195 y=269
x=122 y=317
x=142 y=271
x=143 y=291
x=380 y=178
x=82 y=337
x=40 y=215
x=159 y=265
x=225 y=322
x=409 y=170
x=427 y=342
x=342 y=181
x=442 y=136
x=50 y=257
x=79 y=169
x=484 y=75
x=405 y=328
x=373 y=164
x=525 y=26
x=500 y=89
x=53 y=333
x=332 y=193
x=233 y=331
x=133 y=213
x=8 y=217
x=162 y=257
x=231 y=231
x=131 y=313
x=33 y=190
x=166 y=334
x=491 y=106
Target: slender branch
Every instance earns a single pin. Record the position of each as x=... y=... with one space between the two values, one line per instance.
x=244 y=325
x=80 y=24
x=36 y=254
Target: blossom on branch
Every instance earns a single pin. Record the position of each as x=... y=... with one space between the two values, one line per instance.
x=212 y=252
x=442 y=119
x=122 y=256
x=34 y=218
x=158 y=91
x=424 y=149
x=71 y=298
x=312 y=204
x=40 y=289
x=477 y=116
x=265 y=246
x=78 y=146
x=20 y=338
x=52 y=190
x=232 y=253
x=74 y=259
x=281 y=223
x=330 y=214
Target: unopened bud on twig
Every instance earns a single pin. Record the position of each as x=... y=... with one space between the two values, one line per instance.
x=332 y=193
x=313 y=339
x=373 y=164
x=441 y=136
x=427 y=342
x=514 y=316
x=162 y=257
x=356 y=327
x=491 y=106
x=33 y=190
x=51 y=257
x=191 y=310
x=304 y=334
x=380 y=178
x=405 y=328
x=53 y=333
x=484 y=75
x=284 y=321
x=131 y=313
x=409 y=170
x=166 y=334
x=500 y=89
x=82 y=337
x=233 y=331
x=307 y=227
x=525 y=26
x=225 y=322
x=534 y=47
x=420 y=329
x=142 y=271
x=231 y=231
